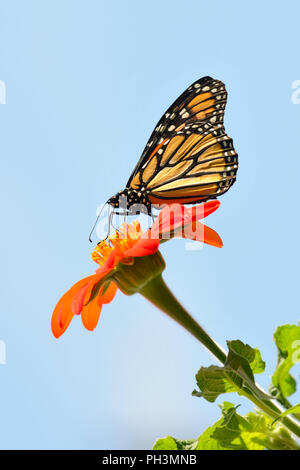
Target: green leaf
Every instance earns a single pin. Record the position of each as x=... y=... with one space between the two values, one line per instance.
x=287 y=340
x=259 y=432
x=293 y=410
x=235 y=432
x=237 y=375
x=167 y=443
x=244 y=352
x=214 y=380
x=170 y=443
x=207 y=442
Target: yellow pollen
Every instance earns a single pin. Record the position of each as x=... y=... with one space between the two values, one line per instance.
x=124 y=238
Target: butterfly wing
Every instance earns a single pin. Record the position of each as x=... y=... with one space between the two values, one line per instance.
x=189 y=157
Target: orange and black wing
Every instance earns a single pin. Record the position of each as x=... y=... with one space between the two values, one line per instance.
x=189 y=157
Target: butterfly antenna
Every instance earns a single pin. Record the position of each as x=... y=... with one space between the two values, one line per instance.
x=94 y=226
x=109 y=223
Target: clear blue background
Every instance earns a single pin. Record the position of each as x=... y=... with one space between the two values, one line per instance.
x=86 y=83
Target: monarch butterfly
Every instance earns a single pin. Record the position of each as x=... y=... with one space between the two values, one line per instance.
x=189 y=158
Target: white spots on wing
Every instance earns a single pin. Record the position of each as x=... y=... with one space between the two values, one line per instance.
x=197 y=85
x=184 y=114
x=171 y=128
x=206 y=88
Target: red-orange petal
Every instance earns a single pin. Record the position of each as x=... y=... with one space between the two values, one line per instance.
x=91 y=309
x=167 y=218
x=108 y=295
x=143 y=247
x=204 y=210
x=175 y=216
x=66 y=307
x=90 y=314
x=78 y=299
x=111 y=261
x=60 y=321
x=62 y=314
x=204 y=234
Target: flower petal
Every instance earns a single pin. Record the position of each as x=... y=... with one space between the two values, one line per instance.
x=78 y=299
x=176 y=216
x=143 y=247
x=111 y=261
x=109 y=294
x=204 y=210
x=63 y=314
x=60 y=321
x=72 y=303
x=170 y=215
x=202 y=233
x=92 y=308
x=90 y=314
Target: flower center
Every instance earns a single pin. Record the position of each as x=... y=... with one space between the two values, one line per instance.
x=124 y=238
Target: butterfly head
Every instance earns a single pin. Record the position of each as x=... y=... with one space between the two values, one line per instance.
x=131 y=201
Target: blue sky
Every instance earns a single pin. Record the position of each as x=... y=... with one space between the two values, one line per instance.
x=86 y=81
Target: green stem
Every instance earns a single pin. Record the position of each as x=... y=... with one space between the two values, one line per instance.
x=158 y=293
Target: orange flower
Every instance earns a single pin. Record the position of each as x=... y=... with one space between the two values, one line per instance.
x=128 y=261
